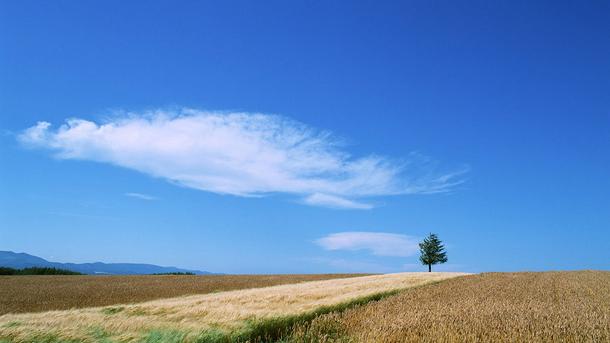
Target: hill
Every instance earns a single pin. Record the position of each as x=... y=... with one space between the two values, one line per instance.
x=22 y=260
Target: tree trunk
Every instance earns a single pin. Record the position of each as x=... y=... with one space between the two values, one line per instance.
x=429 y=268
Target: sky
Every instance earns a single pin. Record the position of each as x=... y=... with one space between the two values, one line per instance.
x=306 y=136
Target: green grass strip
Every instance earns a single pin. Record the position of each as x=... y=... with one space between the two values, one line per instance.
x=276 y=328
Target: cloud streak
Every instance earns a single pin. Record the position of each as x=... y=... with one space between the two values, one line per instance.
x=141 y=196
x=326 y=200
x=377 y=243
x=241 y=154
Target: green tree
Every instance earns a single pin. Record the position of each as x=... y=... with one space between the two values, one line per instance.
x=432 y=251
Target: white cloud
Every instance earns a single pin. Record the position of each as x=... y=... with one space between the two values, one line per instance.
x=378 y=243
x=141 y=196
x=241 y=154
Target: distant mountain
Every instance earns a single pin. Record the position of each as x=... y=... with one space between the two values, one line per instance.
x=23 y=260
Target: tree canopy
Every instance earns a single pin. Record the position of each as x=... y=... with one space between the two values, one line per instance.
x=432 y=251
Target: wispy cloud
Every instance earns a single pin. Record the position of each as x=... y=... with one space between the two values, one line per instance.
x=378 y=243
x=141 y=196
x=332 y=201
x=242 y=154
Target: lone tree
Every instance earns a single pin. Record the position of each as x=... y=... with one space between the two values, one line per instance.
x=432 y=251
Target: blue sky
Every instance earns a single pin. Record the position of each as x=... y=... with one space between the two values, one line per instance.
x=289 y=137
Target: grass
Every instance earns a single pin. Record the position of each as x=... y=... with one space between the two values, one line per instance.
x=276 y=328
x=269 y=329
x=489 y=307
x=112 y=310
x=254 y=315
x=19 y=294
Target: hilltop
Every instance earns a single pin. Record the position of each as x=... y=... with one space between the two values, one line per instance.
x=22 y=260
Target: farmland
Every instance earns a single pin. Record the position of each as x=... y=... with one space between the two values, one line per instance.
x=46 y=293
x=489 y=307
x=235 y=315
x=405 y=307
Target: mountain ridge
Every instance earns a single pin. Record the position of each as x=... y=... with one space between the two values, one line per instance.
x=24 y=260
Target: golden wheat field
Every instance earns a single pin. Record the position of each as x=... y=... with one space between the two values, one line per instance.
x=489 y=307
x=61 y=292
x=192 y=317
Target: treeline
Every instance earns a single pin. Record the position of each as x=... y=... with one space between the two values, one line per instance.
x=37 y=271
x=175 y=273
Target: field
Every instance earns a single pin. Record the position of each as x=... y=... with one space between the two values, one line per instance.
x=46 y=293
x=405 y=307
x=489 y=307
x=233 y=315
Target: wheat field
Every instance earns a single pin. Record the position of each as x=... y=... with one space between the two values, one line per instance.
x=193 y=316
x=39 y=293
x=488 y=307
